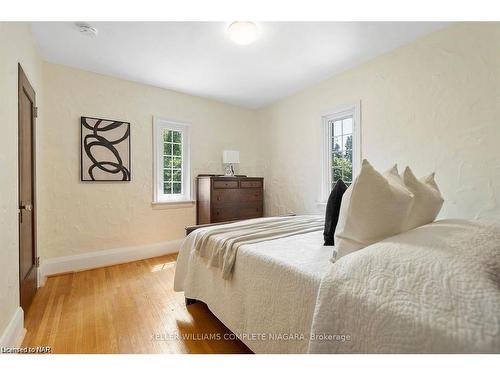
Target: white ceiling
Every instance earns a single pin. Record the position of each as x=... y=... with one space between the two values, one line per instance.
x=198 y=58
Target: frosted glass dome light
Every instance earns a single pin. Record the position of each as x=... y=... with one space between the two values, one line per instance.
x=243 y=32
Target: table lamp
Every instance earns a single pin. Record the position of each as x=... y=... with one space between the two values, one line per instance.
x=230 y=157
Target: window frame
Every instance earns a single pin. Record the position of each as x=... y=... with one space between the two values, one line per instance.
x=336 y=114
x=159 y=125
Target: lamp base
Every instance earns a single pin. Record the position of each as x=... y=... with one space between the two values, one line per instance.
x=229 y=170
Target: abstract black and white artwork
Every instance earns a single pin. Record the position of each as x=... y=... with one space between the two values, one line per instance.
x=105 y=150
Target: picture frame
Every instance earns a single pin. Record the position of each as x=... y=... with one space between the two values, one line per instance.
x=104 y=150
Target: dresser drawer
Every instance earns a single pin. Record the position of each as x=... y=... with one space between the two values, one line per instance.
x=236 y=196
x=218 y=184
x=229 y=213
x=251 y=184
x=224 y=214
x=250 y=212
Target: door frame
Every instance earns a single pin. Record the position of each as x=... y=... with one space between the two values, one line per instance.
x=25 y=85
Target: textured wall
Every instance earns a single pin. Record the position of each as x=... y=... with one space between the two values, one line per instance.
x=78 y=217
x=16 y=45
x=433 y=104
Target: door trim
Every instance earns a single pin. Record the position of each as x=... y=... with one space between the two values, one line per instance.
x=24 y=85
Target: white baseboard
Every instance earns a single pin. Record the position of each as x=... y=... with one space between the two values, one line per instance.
x=104 y=258
x=14 y=333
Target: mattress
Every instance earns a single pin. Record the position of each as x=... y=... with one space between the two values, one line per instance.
x=270 y=299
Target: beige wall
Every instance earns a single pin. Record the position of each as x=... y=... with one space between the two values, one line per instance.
x=78 y=217
x=433 y=105
x=16 y=46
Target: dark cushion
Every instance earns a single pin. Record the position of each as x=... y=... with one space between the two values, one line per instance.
x=332 y=212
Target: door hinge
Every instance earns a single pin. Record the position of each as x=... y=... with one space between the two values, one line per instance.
x=37 y=261
x=35 y=112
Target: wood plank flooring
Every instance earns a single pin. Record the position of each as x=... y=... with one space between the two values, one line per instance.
x=118 y=309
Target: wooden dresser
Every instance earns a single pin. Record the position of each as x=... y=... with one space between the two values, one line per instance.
x=220 y=198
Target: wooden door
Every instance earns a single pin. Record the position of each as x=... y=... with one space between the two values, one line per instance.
x=28 y=260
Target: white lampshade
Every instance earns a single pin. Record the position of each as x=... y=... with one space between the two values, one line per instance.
x=230 y=157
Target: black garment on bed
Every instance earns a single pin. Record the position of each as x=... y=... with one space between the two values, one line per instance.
x=333 y=211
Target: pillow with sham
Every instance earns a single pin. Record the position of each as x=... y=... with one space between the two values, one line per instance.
x=427 y=202
x=373 y=208
x=333 y=211
x=393 y=176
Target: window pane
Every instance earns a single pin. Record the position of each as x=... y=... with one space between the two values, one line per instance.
x=344 y=141
x=177 y=149
x=167 y=188
x=347 y=171
x=167 y=136
x=177 y=162
x=337 y=128
x=342 y=168
x=348 y=148
x=347 y=126
x=167 y=149
x=337 y=174
x=176 y=137
x=177 y=175
x=177 y=188
x=337 y=146
x=167 y=162
x=167 y=175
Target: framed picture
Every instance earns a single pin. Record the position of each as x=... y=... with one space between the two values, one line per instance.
x=105 y=150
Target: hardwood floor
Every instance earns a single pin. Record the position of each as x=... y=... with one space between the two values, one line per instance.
x=118 y=309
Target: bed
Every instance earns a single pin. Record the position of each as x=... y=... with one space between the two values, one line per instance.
x=432 y=289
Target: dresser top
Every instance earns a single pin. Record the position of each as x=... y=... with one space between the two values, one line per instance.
x=227 y=178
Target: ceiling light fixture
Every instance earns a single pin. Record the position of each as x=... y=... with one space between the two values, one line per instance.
x=243 y=33
x=87 y=30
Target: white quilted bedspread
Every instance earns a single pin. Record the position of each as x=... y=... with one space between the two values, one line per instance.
x=270 y=299
x=435 y=289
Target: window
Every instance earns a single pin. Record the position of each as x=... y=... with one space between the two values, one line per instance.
x=342 y=147
x=172 y=171
x=341 y=130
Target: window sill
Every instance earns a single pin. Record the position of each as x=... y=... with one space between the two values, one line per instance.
x=164 y=205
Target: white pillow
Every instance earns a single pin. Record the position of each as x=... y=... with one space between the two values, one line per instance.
x=428 y=200
x=393 y=176
x=373 y=208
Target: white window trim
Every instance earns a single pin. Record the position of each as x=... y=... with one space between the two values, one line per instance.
x=353 y=109
x=159 y=124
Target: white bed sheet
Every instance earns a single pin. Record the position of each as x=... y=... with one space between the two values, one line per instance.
x=269 y=302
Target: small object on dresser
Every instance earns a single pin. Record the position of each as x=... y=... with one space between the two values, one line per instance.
x=220 y=198
x=229 y=158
